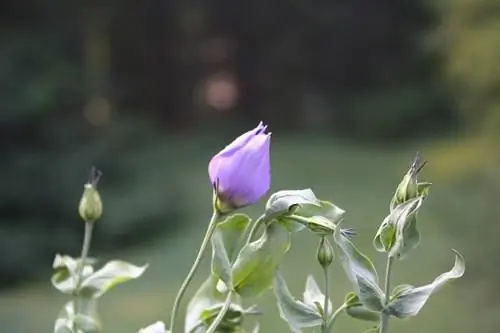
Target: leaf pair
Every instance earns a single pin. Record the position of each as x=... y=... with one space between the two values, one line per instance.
x=81 y=312
x=93 y=283
x=299 y=209
x=398 y=234
x=407 y=301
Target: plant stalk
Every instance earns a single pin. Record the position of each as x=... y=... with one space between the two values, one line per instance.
x=220 y=316
x=384 y=316
x=324 y=326
x=87 y=238
x=208 y=235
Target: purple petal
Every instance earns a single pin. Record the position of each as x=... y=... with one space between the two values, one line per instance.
x=242 y=140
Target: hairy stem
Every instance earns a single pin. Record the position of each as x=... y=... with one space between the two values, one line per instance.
x=384 y=317
x=194 y=267
x=220 y=316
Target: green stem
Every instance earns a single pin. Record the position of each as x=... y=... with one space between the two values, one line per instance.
x=334 y=316
x=384 y=317
x=89 y=225
x=220 y=316
x=255 y=228
x=324 y=326
x=208 y=235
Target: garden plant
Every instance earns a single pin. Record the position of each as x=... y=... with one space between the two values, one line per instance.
x=247 y=254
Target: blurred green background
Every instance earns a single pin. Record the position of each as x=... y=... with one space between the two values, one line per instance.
x=149 y=91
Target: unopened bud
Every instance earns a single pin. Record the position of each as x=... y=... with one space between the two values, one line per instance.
x=90 y=207
x=325 y=252
x=408 y=188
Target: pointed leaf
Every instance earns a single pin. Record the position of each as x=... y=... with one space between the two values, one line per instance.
x=356 y=309
x=296 y=313
x=423 y=189
x=221 y=266
x=355 y=263
x=405 y=221
x=325 y=209
x=232 y=230
x=257 y=262
x=313 y=296
x=385 y=236
x=409 y=302
x=282 y=202
x=113 y=273
x=321 y=225
x=370 y=294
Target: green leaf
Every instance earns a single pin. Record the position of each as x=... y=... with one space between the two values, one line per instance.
x=325 y=209
x=402 y=288
x=282 y=202
x=407 y=235
x=65 y=270
x=296 y=313
x=398 y=224
x=314 y=297
x=206 y=302
x=385 y=236
x=113 y=273
x=410 y=301
x=221 y=266
x=370 y=294
x=356 y=309
x=355 y=263
x=257 y=262
x=232 y=230
x=321 y=226
x=423 y=189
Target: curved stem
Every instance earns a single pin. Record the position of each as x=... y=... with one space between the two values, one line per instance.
x=334 y=316
x=254 y=229
x=85 y=251
x=324 y=326
x=384 y=317
x=194 y=267
x=220 y=316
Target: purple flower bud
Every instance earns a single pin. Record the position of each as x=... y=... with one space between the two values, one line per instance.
x=241 y=172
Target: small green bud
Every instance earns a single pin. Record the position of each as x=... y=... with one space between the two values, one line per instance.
x=90 y=207
x=325 y=252
x=409 y=187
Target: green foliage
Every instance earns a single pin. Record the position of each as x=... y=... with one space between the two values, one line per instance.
x=256 y=264
x=296 y=313
x=407 y=301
